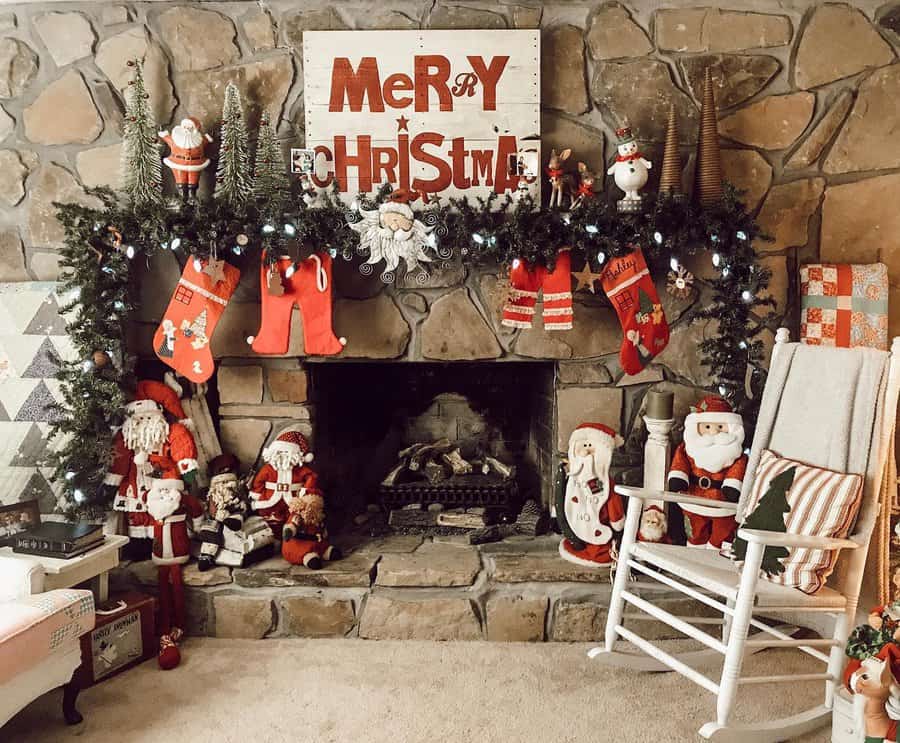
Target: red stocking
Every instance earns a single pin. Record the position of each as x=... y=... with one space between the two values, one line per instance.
x=309 y=287
x=182 y=338
x=630 y=288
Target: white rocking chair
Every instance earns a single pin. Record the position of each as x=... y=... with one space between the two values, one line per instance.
x=812 y=392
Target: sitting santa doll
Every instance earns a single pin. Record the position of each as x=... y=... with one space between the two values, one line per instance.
x=227 y=504
x=282 y=493
x=168 y=509
x=710 y=463
x=589 y=510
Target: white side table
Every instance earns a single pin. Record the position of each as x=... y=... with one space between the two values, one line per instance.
x=93 y=565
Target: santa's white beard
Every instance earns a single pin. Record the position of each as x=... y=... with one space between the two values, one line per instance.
x=283 y=460
x=146 y=435
x=384 y=244
x=222 y=494
x=589 y=466
x=187 y=138
x=653 y=527
x=162 y=502
x=714 y=453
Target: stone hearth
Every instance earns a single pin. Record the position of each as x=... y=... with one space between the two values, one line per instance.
x=407 y=587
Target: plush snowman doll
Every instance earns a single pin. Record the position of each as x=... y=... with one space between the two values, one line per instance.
x=630 y=170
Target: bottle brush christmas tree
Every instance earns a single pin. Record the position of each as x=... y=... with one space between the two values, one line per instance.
x=270 y=183
x=769 y=516
x=233 y=185
x=141 y=167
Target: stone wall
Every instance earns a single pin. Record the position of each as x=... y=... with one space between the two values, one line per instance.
x=808 y=120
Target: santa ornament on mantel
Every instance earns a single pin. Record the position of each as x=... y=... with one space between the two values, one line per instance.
x=710 y=463
x=392 y=232
x=187 y=154
x=168 y=509
x=286 y=494
x=588 y=510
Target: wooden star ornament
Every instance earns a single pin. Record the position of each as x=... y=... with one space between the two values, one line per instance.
x=215 y=269
x=586 y=278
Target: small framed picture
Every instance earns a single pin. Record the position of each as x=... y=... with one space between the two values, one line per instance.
x=523 y=163
x=302 y=161
x=17 y=518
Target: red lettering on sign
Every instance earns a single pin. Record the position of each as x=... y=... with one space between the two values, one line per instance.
x=362 y=161
x=355 y=86
x=425 y=79
x=482 y=167
x=396 y=84
x=384 y=159
x=444 y=176
x=489 y=77
x=458 y=154
x=329 y=174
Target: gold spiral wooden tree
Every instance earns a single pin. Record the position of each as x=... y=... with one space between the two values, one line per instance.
x=708 y=172
x=670 y=174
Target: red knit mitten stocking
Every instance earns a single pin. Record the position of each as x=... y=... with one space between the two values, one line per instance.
x=182 y=338
x=630 y=288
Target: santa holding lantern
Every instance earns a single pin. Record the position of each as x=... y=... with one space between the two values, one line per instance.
x=187 y=154
x=588 y=510
x=710 y=463
x=146 y=442
x=286 y=494
x=168 y=509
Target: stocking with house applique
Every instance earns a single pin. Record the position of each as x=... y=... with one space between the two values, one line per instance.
x=201 y=296
x=630 y=288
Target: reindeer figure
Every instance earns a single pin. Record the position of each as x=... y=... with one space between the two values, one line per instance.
x=876 y=695
x=560 y=183
x=585 y=188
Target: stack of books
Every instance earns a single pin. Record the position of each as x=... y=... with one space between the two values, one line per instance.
x=58 y=539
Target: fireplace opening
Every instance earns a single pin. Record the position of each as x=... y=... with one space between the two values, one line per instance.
x=434 y=447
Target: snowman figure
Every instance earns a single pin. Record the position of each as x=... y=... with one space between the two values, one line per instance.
x=630 y=170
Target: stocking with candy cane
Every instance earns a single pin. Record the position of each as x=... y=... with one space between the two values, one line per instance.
x=182 y=338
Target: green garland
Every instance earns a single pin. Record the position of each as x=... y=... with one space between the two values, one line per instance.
x=103 y=277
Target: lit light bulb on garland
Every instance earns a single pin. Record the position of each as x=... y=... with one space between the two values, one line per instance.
x=658 y=238
x=176 y=243
x=591 y=229
x=747 y=295
x=70 y=475
x=129 y=252
x=289 y=229
x=78 y=495
x=476 y=237
x=716 y=259
x=268 y=229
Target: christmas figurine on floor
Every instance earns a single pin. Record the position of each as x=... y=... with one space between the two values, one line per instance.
x=168 y=509
x=710 y=463
x=146 y=442
x=587 y=509
x=873 y=681
x=227 y=504
x=285 y=493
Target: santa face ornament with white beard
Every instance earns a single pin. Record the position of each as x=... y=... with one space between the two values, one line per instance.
x=710 y=463
x=587 y=508
x=392 y=232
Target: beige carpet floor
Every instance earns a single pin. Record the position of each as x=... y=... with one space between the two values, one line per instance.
x=351 y=691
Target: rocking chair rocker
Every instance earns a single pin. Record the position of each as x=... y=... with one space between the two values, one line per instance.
x=828 y=407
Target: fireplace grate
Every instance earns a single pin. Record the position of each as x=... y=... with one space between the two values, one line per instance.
x=460 y=491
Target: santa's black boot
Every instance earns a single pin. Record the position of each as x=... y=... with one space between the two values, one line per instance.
x=313 y=561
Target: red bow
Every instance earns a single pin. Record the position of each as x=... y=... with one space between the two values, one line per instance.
x=585 y=190
x=626 y=158
x=554 y=172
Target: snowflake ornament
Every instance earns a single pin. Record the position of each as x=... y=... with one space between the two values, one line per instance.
x=680 y=282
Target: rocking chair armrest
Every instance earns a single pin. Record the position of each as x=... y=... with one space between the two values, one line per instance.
x=781 y=539
x=669 y=497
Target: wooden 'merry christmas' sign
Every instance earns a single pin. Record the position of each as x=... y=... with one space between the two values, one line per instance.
x=450 y=112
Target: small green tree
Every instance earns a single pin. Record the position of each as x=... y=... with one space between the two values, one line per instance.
x=233 y=184
x=141 y=166
x=270 y=182
x=769 y=516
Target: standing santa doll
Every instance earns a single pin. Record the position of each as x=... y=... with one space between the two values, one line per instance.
x=168 y=511
x=187 y=154
x=710 y=463
x=286 y=494
x=588 y=510
x=146 y=442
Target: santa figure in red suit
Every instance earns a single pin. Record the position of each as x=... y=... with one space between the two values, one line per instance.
x=171 y=513
x=286 y=494
x=146 y=442
x=589 y=510
x=710 y=463
x=187 y=154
